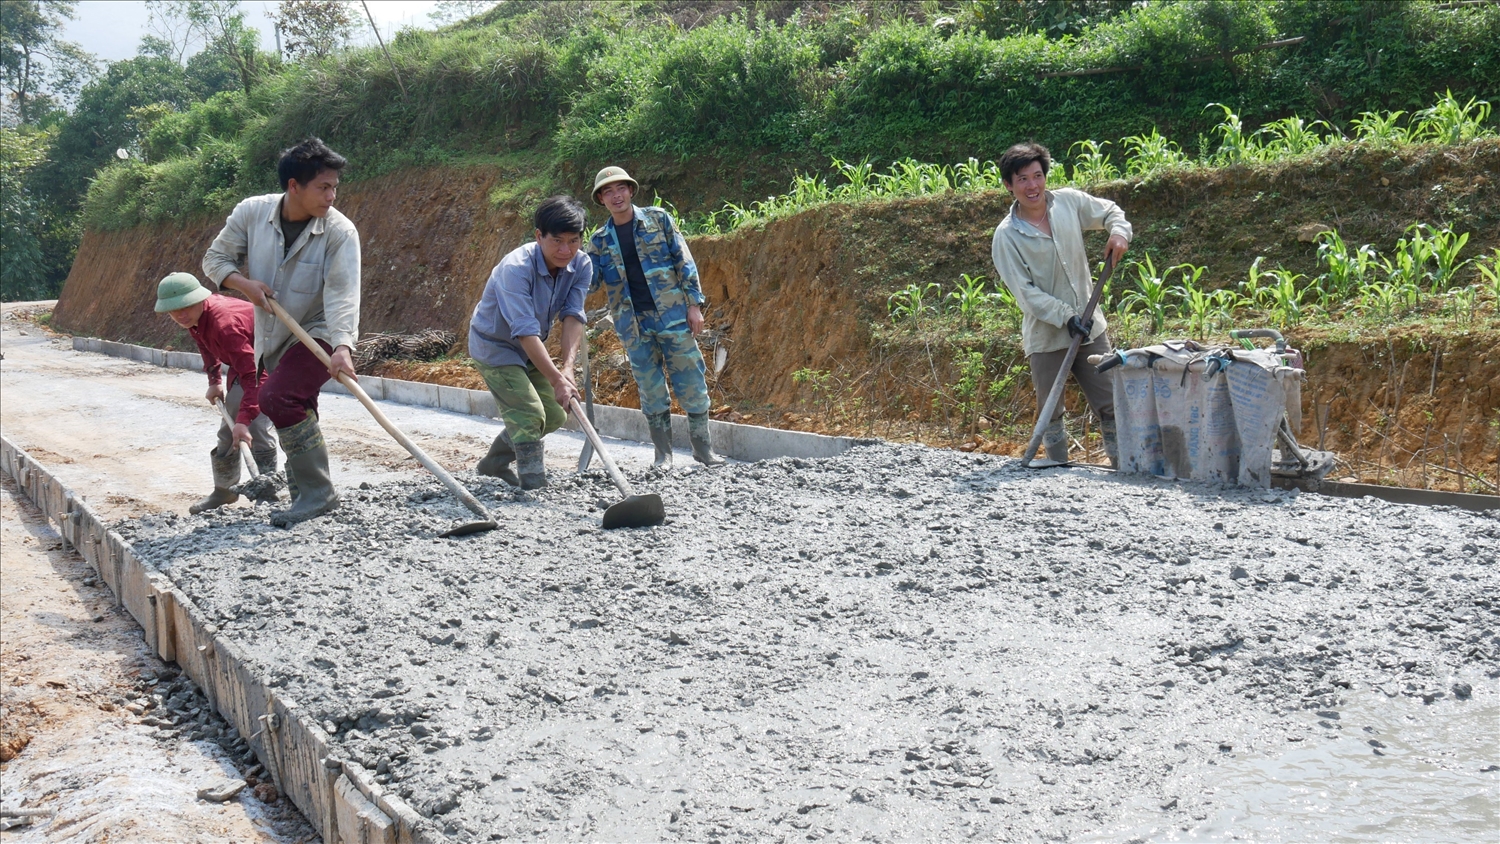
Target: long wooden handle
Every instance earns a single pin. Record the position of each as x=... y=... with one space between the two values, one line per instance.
x=390 y=427
x=609 y=465
x=243 y=449
x=586 y=454
x=1056 y=393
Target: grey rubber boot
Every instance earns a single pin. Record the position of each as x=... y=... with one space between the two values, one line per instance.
x=661 y=437
x=530 y=464
x=307 y=459
x=496 y=464
x=1111 y=442
x=1055 y=438
x=703 y=440
x=226 y=475
x=265 y=461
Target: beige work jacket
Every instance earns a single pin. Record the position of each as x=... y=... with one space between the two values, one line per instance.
x=316 y=281
x=1049 y=276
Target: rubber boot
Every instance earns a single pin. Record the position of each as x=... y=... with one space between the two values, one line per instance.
x=226 y=475
x=265 y=461
x=1055 y=438
x=529 y=462
x=703 y=440
x=661 y=437
x=1111 y=442
x=307 y=459
x=496 y=464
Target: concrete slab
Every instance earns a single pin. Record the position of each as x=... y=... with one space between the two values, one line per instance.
x=412 y=392
x=482 y=403
x=453 y=399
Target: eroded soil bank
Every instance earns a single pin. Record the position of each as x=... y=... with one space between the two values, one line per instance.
x=897 y=644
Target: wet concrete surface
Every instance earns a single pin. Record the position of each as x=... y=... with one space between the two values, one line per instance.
x=896 y=644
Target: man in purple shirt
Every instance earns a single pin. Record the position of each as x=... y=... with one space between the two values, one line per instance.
x=528 y=290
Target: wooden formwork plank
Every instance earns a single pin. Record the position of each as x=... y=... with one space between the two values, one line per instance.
x=243 y=699
x=109 y=562
x=359 y=820
x=166 y=620
x=300 y=750
x=403 y=818
x=136 y=594
x=191 y=641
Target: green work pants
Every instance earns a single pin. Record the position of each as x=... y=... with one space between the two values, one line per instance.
x=526 y=402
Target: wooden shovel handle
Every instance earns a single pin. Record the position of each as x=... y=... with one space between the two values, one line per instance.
x=390 y=427
x=609 y=465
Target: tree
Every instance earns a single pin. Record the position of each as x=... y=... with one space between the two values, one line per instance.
x=23 y=273
x=451 y=11
x=313 y=28
x=37 y=67
x=219 y=25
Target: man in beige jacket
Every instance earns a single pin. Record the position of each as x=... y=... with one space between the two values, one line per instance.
x=1038 y=253
x=295 y=248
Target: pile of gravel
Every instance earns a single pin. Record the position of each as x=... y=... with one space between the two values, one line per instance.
x=898 y=643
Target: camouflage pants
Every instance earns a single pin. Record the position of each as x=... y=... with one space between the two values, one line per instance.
x=659 y=355
x=525 y=399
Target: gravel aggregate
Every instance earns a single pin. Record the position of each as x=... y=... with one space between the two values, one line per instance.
x=896 y=644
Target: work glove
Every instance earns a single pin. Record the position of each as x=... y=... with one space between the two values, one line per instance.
x=1078 y=328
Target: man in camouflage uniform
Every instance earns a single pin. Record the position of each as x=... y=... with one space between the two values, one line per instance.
x=651 y=284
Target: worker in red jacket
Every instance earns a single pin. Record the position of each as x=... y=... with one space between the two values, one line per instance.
x=224 y=329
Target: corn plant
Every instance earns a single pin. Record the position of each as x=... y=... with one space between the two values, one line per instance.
x=973 y=176
x=1462 y=303
x=1347 y=271
x=1236 y=146
x=1406 y=270
x=1489 y=272
x=1093 y=164
x=1253 y=295
x=1147 y=154
x=1285 y=299
x=1385 y=298
x=1150 y=295
x=1003 y=305
x=857 y=184
x=1382 y=130
x=911 y=301
x=1292 y=136
x=968 y=298
x=1444 y=246
x=1451 y=122
x=1205 y=309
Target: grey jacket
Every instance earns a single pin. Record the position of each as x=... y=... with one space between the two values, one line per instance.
x=1049 y=276
x=317 y=281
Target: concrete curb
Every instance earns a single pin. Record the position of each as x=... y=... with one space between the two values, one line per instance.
x=335 y=796
x=740 y=442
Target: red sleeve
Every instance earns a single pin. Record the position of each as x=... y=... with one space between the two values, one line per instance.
x=210 y=363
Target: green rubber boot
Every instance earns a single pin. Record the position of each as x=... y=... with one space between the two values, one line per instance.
x=307 y=459
x=226 y=475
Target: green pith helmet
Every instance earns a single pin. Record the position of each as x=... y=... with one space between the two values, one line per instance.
x=179 y=290
x=609 y=176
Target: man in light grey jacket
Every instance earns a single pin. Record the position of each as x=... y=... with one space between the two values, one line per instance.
x=1038 y=253
x=295 y=248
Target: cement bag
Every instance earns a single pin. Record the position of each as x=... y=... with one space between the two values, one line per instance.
x=1174 y=423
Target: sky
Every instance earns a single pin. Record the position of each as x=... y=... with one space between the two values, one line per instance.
x=112 y=29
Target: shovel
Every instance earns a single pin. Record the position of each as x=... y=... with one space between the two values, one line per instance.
x=634 y=510
x=255 y=488
x=358 y=392
x=1055 y=396
x=587 y=454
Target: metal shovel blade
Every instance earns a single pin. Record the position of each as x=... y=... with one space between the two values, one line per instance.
x=468 y=528
x=1046 y=463
x=635 y=511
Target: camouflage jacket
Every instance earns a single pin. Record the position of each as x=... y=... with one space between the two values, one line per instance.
x=666 y=261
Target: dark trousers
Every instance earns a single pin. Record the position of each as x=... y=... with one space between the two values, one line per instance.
x=290 y=390
x=1098 y=389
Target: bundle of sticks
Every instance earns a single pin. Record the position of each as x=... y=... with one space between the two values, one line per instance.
x=424 y=345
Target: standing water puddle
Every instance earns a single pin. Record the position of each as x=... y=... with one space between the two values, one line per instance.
x=1387 y=769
